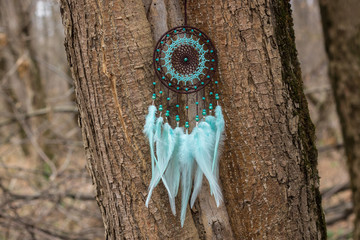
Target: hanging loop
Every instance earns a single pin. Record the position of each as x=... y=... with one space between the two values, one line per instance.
x=185 y=12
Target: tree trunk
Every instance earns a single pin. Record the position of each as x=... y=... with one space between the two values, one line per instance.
x=341 y=24
x=268 y=167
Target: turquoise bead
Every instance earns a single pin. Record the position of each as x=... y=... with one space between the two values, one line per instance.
x=186 y=59
x=163 y=77
x=186 y=89
x=211 y=93
x=203 y=98
x=159 y=69
x=177 y=105
x=187 y=124
x=157 y=59
x=187 y=107
x=153 y=97
x=169 y=84
x=175 y=31
x=202 y=83
x=211 y=51
x=167 y=114
x=217 y=97
x=208 y=41
x=211 y=69
x=197 y=103
x=208 y=76
x=158 y=50
x=197 y=118
x=162 y=42
x=210 y=107
x=195 y=87
x=178 y=88
x=216 y=82
x=160 y=92
x=154 y=83
x=168 y=99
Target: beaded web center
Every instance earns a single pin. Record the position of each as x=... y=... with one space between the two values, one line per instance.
x=196 y=53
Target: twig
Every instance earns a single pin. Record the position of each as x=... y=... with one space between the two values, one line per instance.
x=330 y=147
x=40 y=112
x=340 y=212
x=329 y=192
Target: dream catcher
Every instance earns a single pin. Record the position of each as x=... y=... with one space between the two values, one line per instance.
x=185 y=148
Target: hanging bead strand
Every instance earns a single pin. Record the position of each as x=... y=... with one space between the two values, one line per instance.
x=177 y=119
x=160 y=100
x=204 y=105
x=197 y=109
x=154 y=94
x=187 y=114
x=167 y=114
x=216 y=95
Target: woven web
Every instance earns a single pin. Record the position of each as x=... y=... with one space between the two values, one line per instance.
x=175 y=44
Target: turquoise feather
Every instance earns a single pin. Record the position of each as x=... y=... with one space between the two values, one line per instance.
x=163 y=138
x=172 y=173
x=203 y=143
x=149 y=130
x=186 y=160
x=184 y=157
x=197 y=185
x=220 y=127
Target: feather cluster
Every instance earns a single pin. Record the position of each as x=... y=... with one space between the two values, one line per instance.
x=178 y=156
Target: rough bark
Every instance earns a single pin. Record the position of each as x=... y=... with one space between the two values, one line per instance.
x=341 y=24
x=268 y=168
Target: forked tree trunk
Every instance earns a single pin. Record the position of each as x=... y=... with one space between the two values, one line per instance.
x=341 y=24
x=268 y=167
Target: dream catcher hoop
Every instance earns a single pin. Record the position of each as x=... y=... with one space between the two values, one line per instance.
x=185 y=62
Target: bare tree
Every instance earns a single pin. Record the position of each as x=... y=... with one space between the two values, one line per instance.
x=341 y=24
x=268 y=169
x=44 y=194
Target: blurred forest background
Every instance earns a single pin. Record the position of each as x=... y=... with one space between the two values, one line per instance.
x=45 y=189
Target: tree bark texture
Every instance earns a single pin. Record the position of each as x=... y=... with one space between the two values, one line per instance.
x=268 y=167
x=341 y=24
